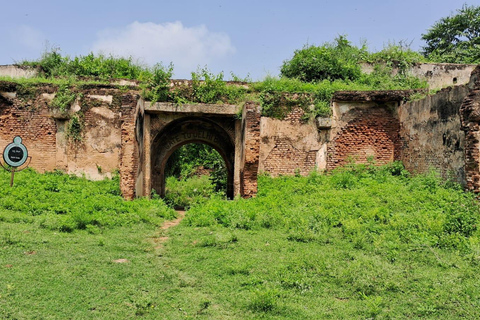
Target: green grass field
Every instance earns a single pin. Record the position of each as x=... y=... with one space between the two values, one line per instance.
x=361 y=243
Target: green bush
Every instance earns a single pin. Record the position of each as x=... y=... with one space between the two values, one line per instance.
x=53 y=64
x=210 y=88
x=331 y=61
x=183 y=193
x=64 y=98
x=367 y=204
x=156 y=84
x=63 y=202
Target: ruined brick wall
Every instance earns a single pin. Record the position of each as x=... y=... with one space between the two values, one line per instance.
x=470 y=122
x=251 y=148
x=288 y=146
x=129 y=155
x=431 y=134
x=106 y=141
x=32 y=122
x=363 y=135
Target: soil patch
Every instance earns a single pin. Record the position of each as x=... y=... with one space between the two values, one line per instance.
x=159 y=240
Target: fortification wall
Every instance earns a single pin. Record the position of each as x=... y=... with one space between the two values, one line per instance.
x=437 y=75
x=363 y=132
x=103 y=142
x=290 y=146
x=432 y=136
x=116 y=130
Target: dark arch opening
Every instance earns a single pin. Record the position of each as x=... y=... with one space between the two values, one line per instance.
x=190 y=130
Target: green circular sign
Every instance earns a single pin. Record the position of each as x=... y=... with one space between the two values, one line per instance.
x=15 y=154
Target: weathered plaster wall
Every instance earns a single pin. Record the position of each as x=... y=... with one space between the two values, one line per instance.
x=97 y=154
x=17 y=72
x=291 y=145
x=107 y=138
x=441 y=75
x=437 y=75
x=431 y=134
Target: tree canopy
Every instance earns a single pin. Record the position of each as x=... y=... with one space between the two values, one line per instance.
x=456 y=38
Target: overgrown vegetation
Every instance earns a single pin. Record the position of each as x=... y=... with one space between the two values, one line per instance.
x=66 y=203
x=53 y=65
x=368 y=205
x=194 y=172
x=64 y=98
x=331 y=61
x=74 y=128
x=360 y=243
x=183 y=193
x=308 y=80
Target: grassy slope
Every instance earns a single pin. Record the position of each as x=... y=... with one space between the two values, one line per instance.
x=356 y=244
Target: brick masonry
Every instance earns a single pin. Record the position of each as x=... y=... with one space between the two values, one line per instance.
x=290 y=154
x=248 y=175
x=440 y=131
x=372 y=134
x=470 y=119
x=129 y=155
x=38 y=130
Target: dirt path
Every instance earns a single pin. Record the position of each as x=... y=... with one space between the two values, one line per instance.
x=172 y=223
x=161 y=238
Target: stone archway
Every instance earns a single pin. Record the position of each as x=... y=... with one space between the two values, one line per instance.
x=190 y=130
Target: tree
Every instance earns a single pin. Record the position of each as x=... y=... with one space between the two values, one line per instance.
x=456 y=38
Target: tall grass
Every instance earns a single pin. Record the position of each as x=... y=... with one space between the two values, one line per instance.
x=66 y=203
x=370 y=206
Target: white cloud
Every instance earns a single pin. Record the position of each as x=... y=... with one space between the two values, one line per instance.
x=186 y=47
x=29 y=37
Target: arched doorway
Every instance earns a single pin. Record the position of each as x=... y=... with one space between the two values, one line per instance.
x=190 y=130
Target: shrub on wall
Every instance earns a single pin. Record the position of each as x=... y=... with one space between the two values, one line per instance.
x=338 y=60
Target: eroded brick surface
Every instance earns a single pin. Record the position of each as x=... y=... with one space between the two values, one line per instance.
x=470 y=117
x=36 y=128
x=372 y=135
x=248 y=176
x=129 y=155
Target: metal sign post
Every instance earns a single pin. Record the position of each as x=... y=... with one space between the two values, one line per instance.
x=15 y=155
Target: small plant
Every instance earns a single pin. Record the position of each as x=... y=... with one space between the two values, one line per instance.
x=74 y=129
x=63 y=98
x=264 y=301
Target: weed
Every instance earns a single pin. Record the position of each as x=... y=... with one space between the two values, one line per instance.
x=64 y=98
x=74 y=129
x=66 y=203
x=156 y=83
x=210 y=88
x=264 y=300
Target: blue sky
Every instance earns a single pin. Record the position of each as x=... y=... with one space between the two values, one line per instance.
x=244 y=37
